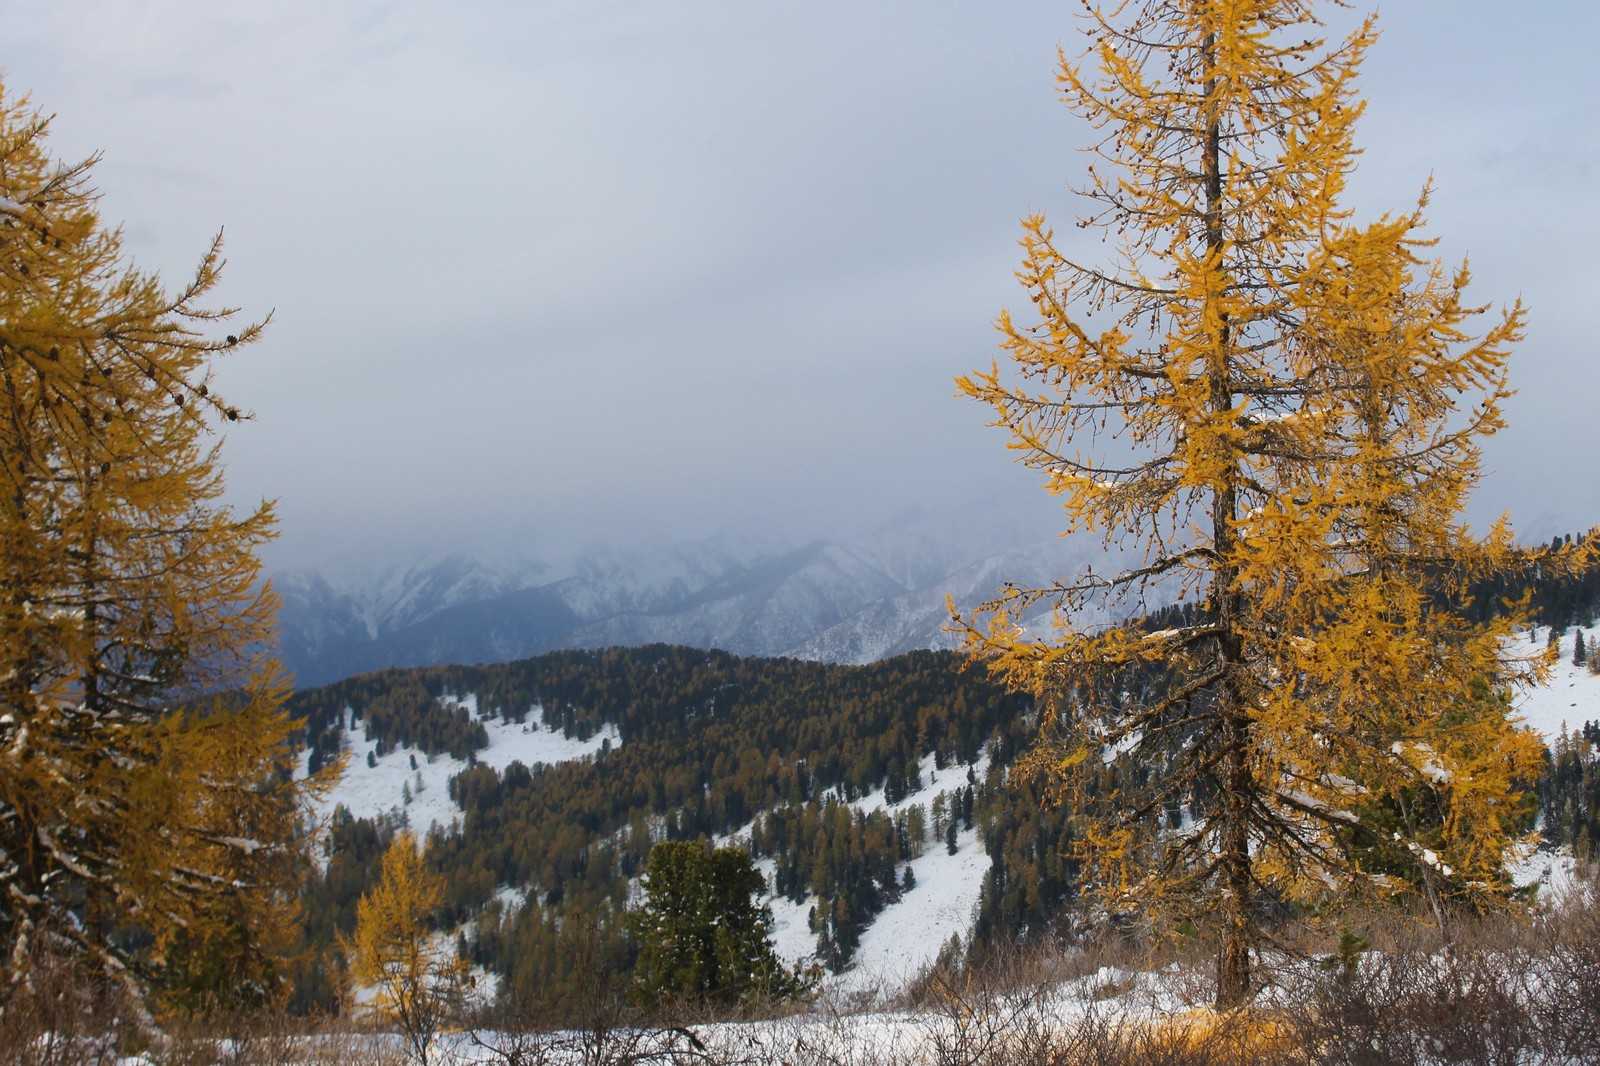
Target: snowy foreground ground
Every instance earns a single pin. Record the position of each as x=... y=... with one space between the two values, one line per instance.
x=962 y=1031
x=1532 y=1004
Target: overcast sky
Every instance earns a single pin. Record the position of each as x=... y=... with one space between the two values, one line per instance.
x=560 y=268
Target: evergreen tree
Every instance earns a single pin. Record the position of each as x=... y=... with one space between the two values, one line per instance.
x=1579 y=654
x=125 y=587
x=702 y=934
x=1213 y=404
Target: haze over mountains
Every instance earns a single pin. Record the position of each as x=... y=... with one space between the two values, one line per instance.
x=852 y=600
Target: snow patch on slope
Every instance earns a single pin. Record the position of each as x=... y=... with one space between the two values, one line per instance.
x=1570 y=697
x=908 y=934
x=382 y=789
x=907 y=937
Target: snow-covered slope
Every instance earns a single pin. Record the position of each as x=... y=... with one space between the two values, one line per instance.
x=1570 y=696
x=413 y=787
x=907 y=936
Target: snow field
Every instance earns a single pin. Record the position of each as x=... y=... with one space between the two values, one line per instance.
x=906 y=936
x=374 y=791
x=1570 y=696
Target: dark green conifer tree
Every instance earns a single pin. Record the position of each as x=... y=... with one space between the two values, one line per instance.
x=703 y=935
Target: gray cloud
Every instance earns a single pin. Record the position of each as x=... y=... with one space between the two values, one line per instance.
x=554 y=269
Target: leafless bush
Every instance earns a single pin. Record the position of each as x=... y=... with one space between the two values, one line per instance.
x=1461 y=1007
x=603 y=1042
x=1246 y=1038
x=276 y=1038
x=1566 y=1003
x=984 y=1019
x=1040 y=1034
x=520 y=1032
x=1502 y=992
x=619 y=1047
x=56 y=1015
x=62 y=1017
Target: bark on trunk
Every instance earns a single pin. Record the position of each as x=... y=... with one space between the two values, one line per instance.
x=1233 y=808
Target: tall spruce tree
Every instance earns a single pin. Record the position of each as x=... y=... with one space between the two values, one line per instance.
x=1215 y=402
x=126 y=587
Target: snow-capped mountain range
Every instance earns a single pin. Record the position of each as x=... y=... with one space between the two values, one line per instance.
x=852 y=600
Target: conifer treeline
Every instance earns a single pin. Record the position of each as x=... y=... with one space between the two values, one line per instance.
x=1558 y=595
x=1569 y=792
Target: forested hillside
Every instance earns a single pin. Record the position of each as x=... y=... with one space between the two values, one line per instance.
x=783 y=753
x=708 y=742
x=836 y=777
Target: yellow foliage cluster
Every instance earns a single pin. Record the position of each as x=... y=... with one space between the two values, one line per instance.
x=416 y=978
x=1276 y=414
x=126 y=588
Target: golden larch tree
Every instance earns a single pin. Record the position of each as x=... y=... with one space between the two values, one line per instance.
x=1252 y=402
x=416 y=978
x=126 y=590
x=1411 y=698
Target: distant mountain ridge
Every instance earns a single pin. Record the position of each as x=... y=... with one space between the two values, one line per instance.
x=840 y=601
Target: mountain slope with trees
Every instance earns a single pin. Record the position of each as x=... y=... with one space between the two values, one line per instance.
x=708 y=742
x=800 y=762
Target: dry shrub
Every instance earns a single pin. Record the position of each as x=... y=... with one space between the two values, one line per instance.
x=620 y=1046
x=1503 y=992
x=1566 y=999
x=1241 y=1037
x=276 y=1038
x=1053 y=1008
x=60 y=1016
x=978 y=1018
x=521 y=1031
x=1408 y=1008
